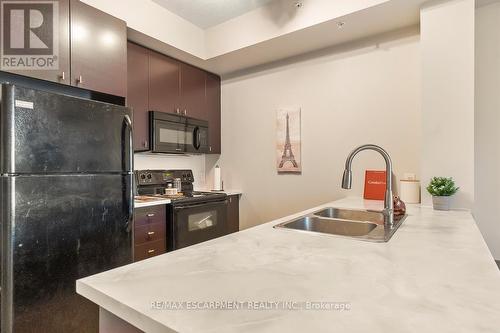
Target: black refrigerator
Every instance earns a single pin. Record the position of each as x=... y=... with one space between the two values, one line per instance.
x=66 y=205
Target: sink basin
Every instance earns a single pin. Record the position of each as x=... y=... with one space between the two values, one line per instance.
x=359 y=224
x=331 y=226
x=352 y=215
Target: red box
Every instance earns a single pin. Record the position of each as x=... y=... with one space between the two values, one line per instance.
x=375 y=182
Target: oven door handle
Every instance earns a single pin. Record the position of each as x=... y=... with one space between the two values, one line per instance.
x=206 y=204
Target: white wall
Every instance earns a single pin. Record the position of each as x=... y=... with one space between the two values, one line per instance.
x=447 y=45
x=143 y=161
x=365 y=92
x=487 y=125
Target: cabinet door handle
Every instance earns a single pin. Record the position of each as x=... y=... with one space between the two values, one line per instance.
x=178 y=111
x=79 y=80
x=150 y=215
x=151 y=233
x=145 y=144
x=185 y=112
x=151 y=251
x=63 y=76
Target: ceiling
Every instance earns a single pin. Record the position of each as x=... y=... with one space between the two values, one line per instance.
x=208 y=13
x=394 y=19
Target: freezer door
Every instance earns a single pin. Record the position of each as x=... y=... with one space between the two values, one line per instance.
x=46 y=133
x=57 y=229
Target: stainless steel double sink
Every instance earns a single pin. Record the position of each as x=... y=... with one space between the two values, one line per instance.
x=360 y=224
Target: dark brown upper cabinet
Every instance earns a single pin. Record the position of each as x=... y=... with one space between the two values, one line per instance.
x=159 y=83
x=213 y=108
x=138 y=93
x=98 y=50
x=193 y=92
x=164 y=83
x=61 y=71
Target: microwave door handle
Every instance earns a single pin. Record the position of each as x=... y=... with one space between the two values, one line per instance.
x=128 y=123
x=197 y=137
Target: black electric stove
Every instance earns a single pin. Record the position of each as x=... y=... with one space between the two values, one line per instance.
x=193 y=216
x=155 y=182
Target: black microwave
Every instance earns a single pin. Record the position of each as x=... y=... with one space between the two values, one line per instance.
x=170 y=133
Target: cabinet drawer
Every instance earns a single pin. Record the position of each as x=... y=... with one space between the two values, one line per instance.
x=149 y=233
x=149 y=249
x=150 y=215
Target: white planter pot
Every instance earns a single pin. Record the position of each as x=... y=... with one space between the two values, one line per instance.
x=441 y=203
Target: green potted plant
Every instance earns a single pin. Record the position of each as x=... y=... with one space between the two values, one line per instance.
x=441 y=189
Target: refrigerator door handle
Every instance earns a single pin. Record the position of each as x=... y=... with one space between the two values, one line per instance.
x=130 y=220
x=128 y=123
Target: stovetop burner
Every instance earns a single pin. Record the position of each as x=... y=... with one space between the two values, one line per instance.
x=181 y=195
x=153 y=183
x=192 y=197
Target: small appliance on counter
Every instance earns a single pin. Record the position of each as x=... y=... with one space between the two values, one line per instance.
x=193 y=216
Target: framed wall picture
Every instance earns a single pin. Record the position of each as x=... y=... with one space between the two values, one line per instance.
x=288 y=145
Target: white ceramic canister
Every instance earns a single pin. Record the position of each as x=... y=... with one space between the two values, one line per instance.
x=409 y=189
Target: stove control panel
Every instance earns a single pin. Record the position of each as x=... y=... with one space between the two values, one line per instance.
x=163 y=177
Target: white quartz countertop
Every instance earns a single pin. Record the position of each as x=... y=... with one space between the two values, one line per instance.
x=228 y=192
x=435 y=275
x=140 y=204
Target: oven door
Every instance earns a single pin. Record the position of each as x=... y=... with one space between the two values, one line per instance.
x=168 y=136
x=196 y=223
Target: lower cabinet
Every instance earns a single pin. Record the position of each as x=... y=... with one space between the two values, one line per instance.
x=150 y=236
x=148 y=250
x=233 y=213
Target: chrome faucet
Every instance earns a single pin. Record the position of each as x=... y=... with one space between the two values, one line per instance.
x=347 y=179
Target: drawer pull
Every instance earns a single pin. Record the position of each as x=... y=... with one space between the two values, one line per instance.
x=151 y=233
x=151 y=251
x=150 y=215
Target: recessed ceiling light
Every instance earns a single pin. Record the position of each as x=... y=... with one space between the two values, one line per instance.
x=298 y=4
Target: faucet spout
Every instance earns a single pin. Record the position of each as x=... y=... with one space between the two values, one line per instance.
x=347 y=178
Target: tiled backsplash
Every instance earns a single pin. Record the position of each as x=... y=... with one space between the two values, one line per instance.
x=196 y=163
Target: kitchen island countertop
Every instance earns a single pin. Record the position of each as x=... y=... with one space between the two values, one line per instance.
x=435 y=275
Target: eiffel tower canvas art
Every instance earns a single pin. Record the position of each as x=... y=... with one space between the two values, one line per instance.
x=288 y=149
